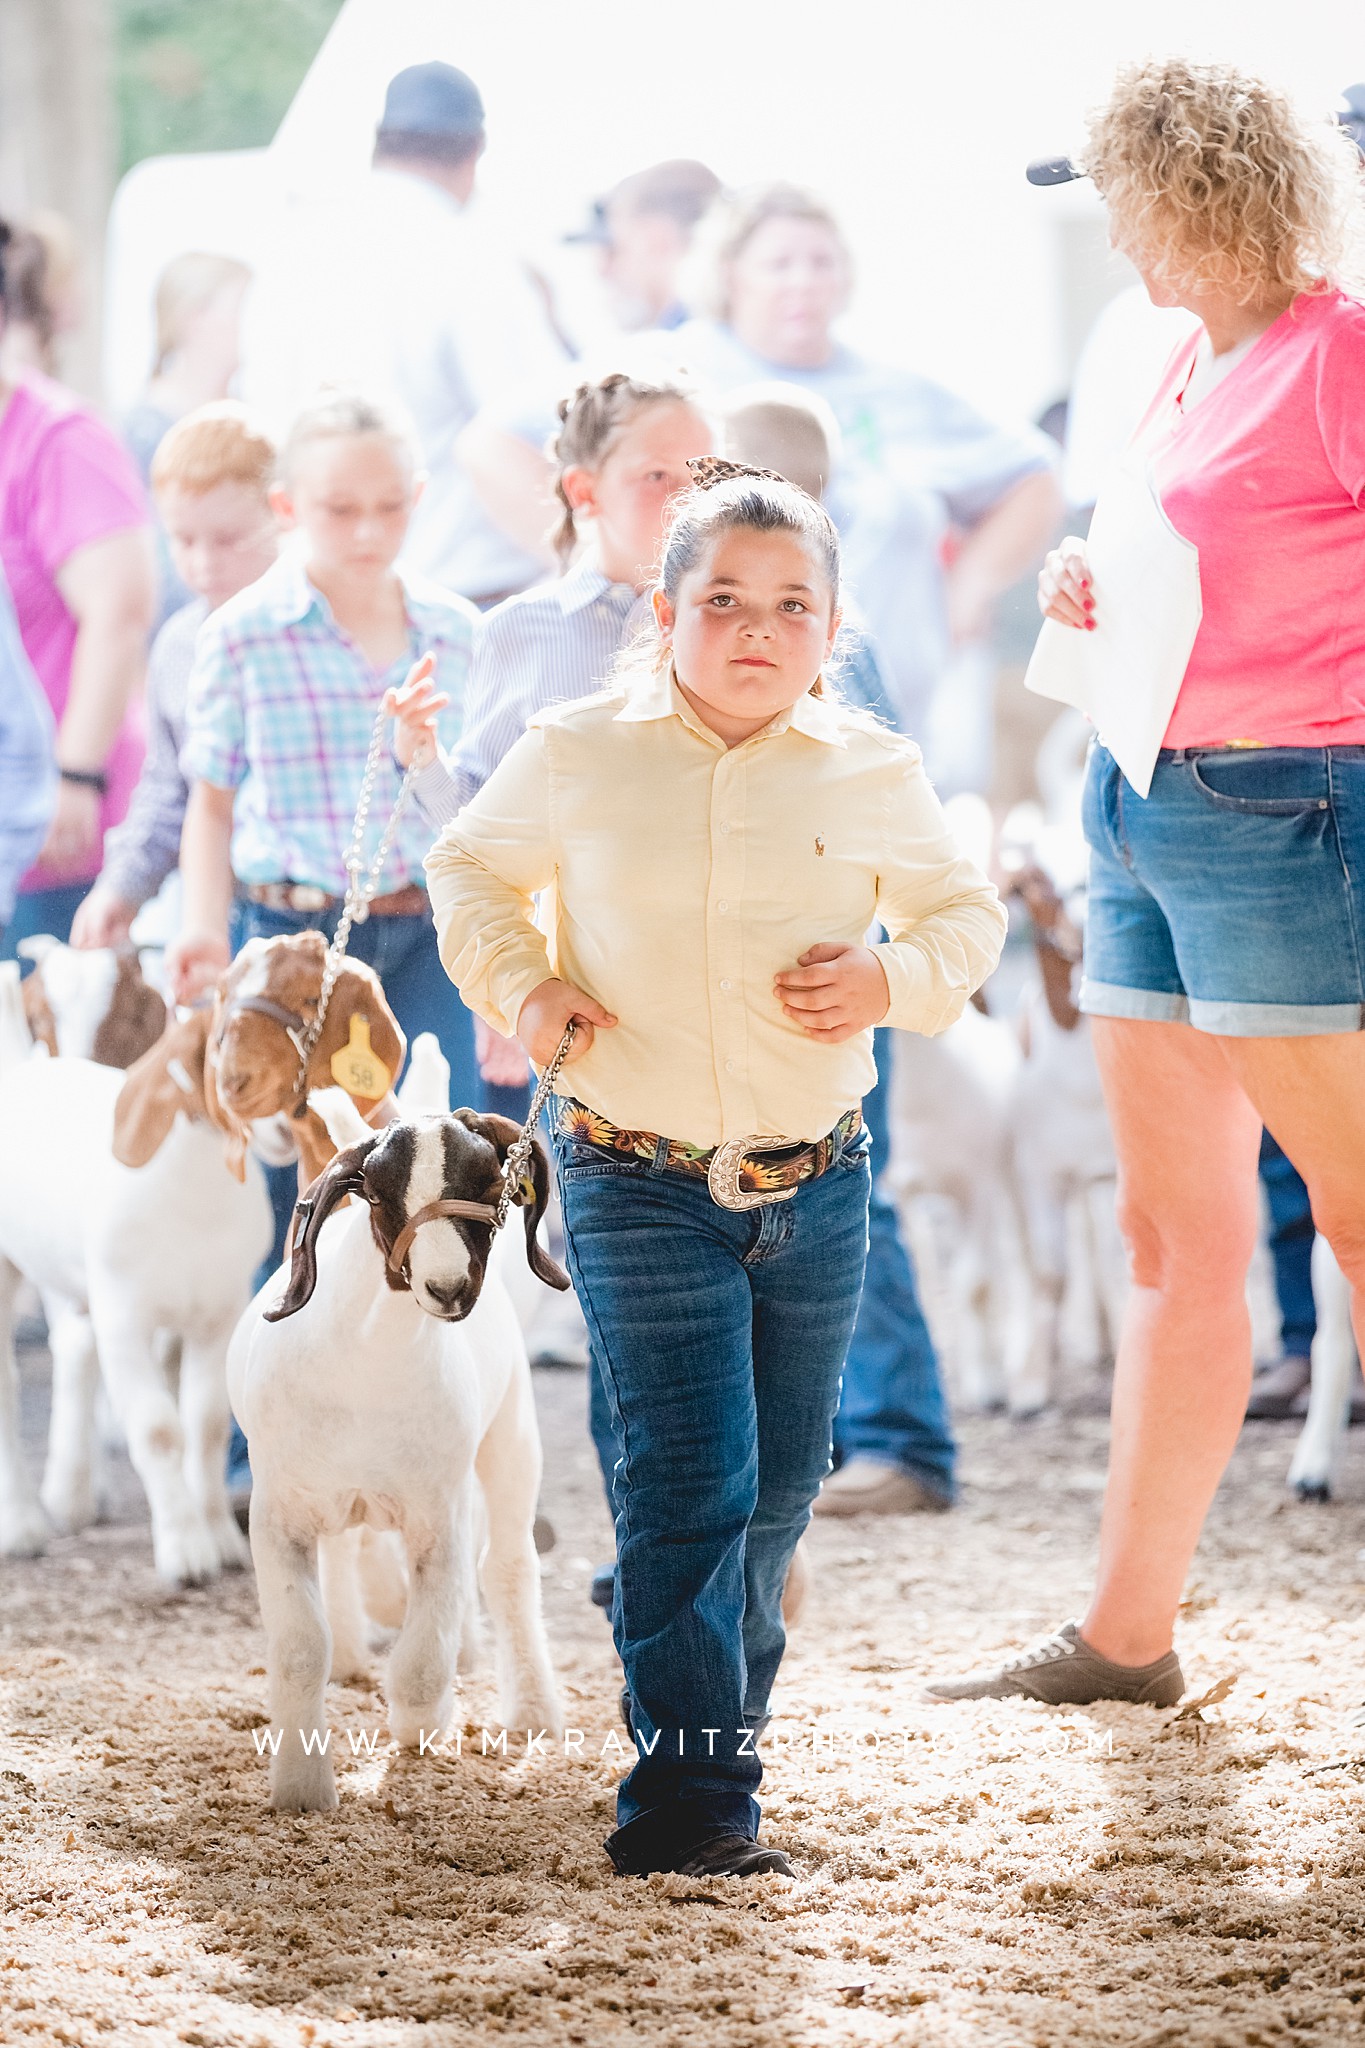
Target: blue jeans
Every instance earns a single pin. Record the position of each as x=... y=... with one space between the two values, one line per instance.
x=42 y=910
x=1291 y=1247
x=720 y=1337
x=1232 y=897
x=892 y=1407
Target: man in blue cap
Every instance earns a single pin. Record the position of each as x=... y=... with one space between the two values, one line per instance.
x=404 y=289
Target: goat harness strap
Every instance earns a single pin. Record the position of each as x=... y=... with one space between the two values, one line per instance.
x=262 y=1006
x=476 y=1212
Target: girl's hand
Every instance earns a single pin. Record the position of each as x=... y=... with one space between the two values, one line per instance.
x=502 y=1061
x=545 y=1012
x=193 y=962
x=414 y=707
x=834 y=991
x=1065 y=592
x=102 y=919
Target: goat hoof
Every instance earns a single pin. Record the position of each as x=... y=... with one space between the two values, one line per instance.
x=543 y=1533
x=24 y=1533
x=186 y=1556
x=1312 y=1489
x=304 y=1792
x=69 y=1508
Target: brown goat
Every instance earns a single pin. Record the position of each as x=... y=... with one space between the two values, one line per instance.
x=262 y=1003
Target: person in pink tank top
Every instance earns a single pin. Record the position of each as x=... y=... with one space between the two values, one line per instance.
x=1225 y=932
x=76 y=551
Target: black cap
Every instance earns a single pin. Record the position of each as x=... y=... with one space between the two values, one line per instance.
x=681 y=188
x=1060 y=170
x=432 y=99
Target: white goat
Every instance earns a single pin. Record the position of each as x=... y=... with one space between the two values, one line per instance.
x=950 y=1124
x=1335 y=1374
x=375 y=1380
x=116 y=1202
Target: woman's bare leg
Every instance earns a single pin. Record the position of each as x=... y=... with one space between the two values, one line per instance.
x=1187 y=1141
x=1311 y=1094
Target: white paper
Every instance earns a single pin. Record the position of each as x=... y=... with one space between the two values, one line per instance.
x=1126 y=674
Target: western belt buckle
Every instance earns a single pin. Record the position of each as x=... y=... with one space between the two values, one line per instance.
x=306 y=897
x=722 y=1175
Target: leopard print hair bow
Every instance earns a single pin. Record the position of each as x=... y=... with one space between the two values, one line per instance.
x=710 y=470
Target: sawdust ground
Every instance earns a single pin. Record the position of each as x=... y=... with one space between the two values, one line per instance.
x=997 y=1873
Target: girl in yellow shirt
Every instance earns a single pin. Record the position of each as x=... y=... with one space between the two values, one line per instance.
x=712 y=836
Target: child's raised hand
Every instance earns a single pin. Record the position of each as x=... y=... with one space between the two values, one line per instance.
x=414 y=708
x=834 y=991
x=545 y=1012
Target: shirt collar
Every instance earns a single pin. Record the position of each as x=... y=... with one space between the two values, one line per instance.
x=658 y=696
x=584 y=584
x=292 y=598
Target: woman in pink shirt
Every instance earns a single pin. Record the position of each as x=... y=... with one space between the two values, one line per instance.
x=1225 y=939
x=76 y=551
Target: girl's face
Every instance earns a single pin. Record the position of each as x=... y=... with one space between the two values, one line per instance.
x=753 y=625
x=626 y=495
x=787 y=285
x=351 y=495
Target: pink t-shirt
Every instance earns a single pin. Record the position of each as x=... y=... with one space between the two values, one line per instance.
x=65 y=480
x=1266 y=475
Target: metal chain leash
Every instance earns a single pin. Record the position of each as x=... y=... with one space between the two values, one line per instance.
x=514 y=1165
x=361 y=887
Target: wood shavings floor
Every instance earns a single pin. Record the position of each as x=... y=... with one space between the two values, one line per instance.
x=994 y=1874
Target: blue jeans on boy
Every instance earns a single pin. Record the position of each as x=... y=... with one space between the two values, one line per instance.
x=43 y=910
x=1291 y=1248
x=893 y=1407
x=720 y=1336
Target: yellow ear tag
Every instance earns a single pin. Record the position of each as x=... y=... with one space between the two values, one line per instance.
x=358 y=1068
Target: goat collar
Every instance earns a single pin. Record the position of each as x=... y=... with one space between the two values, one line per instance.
x=476 y=1212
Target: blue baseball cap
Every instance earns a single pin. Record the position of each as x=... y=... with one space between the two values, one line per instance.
x=432 y=99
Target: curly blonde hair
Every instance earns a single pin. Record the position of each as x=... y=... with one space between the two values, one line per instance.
x=1213 y=181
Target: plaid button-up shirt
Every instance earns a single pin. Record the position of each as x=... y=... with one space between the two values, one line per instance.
x=281 y=709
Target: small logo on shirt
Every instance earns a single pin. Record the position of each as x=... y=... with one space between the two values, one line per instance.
x=819 y=844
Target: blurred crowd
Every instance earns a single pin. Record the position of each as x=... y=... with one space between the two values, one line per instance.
x=409 y=296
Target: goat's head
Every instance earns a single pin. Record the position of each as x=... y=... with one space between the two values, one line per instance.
x=263 y=1005
x=414 y=1174
x=90 y=1004
x=169 y=1080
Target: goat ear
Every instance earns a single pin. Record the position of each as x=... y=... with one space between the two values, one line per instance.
x=234 y=1133
x=168 y=1078
x=345 y=1176
x=502 y=1134
x=357 y=993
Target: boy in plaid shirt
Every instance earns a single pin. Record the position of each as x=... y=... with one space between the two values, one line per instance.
x=287 y=680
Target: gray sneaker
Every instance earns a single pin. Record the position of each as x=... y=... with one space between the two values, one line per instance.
x=1064 y=1671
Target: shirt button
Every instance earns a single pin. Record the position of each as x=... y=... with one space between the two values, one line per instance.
x=729 y=1066
x=722 y=906
x=726 y=986
x=725 y=825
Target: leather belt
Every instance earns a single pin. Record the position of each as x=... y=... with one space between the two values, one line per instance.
x=305 y=900
x=743 y=1173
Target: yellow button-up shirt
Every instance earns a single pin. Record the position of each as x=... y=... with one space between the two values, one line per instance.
x=678 y=876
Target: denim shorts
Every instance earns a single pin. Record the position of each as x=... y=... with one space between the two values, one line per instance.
x=1232 y=897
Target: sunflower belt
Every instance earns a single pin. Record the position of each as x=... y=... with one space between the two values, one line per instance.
x=744 y=1173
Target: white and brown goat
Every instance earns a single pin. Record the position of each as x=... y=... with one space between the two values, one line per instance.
x=378 y=1380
